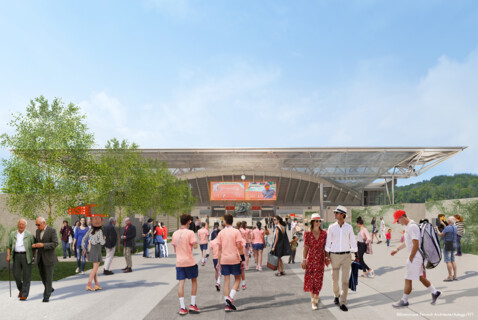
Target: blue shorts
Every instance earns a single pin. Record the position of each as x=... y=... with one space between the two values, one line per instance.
x=187 y=272
x=215 y=263
x=228 y=269
x=258 y=246
x=449 y=256
x=203 y=246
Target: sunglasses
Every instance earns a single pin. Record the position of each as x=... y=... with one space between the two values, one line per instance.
x=38 y=224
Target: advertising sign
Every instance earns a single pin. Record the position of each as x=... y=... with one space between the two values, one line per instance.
x=238 y=191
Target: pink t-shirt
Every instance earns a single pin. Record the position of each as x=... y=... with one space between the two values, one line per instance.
x=214 y=248
x=203 y=235
x=228 y=239
x=184 y=247
x=257 y=236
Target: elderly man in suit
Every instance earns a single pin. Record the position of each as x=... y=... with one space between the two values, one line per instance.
x=19 y=249
x=46 y=241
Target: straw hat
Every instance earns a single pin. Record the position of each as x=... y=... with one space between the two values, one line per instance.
x=315 y=216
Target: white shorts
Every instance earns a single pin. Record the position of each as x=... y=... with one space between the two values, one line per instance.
x=414 y=269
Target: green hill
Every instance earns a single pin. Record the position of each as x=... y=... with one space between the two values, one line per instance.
x=459 y=186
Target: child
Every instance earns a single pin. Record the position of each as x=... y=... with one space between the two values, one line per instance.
x=388 y=236
x=293 y=247
x=258 y=245
x=183 y=241
x=230 y=260
x=203 y=235
x=214 y=246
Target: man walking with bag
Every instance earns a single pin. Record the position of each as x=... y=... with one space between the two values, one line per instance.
x=339 y=244
x=415 y=269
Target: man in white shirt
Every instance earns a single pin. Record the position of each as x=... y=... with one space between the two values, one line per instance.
x=415 y=269
x=339 y=244
x=293 y=225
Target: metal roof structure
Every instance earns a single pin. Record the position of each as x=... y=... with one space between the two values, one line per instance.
x=299 y=171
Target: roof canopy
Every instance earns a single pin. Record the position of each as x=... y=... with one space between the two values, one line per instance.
x=353 y=167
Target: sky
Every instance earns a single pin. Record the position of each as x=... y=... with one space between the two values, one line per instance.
x=212 y=74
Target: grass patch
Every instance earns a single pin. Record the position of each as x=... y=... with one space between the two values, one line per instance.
x=62 y=270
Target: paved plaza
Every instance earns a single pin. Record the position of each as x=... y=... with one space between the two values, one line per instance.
x=150 y=292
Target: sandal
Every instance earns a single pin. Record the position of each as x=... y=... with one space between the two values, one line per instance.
x=282 y=273
x=455 y=278
x=278 y=274
x=447 y=279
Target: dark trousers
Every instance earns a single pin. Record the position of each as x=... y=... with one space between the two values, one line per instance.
x=46 y=274
x=292 y=256
x=146 y=243
x=22 y=272
x=362 y=248
x=458 y=244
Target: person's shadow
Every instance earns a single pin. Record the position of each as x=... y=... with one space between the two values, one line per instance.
x=382 y=270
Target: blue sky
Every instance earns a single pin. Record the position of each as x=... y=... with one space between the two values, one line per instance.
x=174 y=74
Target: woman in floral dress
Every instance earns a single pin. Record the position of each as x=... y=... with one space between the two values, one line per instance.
x=314 y=259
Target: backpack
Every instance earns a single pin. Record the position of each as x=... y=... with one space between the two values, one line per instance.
x=429 y=245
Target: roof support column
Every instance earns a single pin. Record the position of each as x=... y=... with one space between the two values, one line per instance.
x=321 y=187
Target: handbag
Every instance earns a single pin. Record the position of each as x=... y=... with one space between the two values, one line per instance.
x=272 y=261
x=449 y=246
x=369 y=247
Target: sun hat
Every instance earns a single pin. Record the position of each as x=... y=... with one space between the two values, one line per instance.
x=341 y=209
x=397 y=214
x=315 y=216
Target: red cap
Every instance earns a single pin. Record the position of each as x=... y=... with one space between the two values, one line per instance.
x=397 y=214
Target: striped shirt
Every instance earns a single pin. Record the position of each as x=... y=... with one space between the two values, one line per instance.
x=460 y=228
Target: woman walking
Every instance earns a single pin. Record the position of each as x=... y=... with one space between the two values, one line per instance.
x=363 y=237
x=460 y=231
x=281 y=245
x=97 y=239
x=79 y=235
x=313 y=261
x=258 y=245
x=66 y=231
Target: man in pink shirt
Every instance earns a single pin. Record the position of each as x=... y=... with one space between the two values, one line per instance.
x=183 y=241
x=203 y=235
x=230 y=260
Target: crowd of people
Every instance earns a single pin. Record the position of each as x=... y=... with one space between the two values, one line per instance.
x=231 y=249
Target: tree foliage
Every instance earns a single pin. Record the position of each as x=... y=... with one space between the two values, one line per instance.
x=459 y=186
x=46 y=171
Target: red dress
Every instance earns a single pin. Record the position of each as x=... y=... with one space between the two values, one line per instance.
x=314 y=272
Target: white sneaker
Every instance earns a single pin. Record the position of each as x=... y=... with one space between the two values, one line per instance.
x=77 y=270
x=82 y=272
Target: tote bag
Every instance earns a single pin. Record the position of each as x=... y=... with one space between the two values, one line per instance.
x=272 y=261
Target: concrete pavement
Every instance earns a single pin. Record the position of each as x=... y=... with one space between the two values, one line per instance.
x=150 y=292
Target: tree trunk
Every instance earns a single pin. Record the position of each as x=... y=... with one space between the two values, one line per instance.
x=120 y=219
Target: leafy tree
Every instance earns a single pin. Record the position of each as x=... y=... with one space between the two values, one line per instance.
x=45 y=173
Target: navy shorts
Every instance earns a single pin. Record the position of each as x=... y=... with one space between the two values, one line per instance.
x=203 y=246
x=228 y=269
x=215 y=263
x=258 y=246
x=187 y=272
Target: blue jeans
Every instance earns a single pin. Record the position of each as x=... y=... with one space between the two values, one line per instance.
x=66 y=246
x=80 y=258
x=146 y=243
x=158 y=242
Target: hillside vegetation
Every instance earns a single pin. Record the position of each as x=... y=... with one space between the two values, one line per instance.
x=459 y=186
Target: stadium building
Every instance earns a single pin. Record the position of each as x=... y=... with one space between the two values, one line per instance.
x=263 y=182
